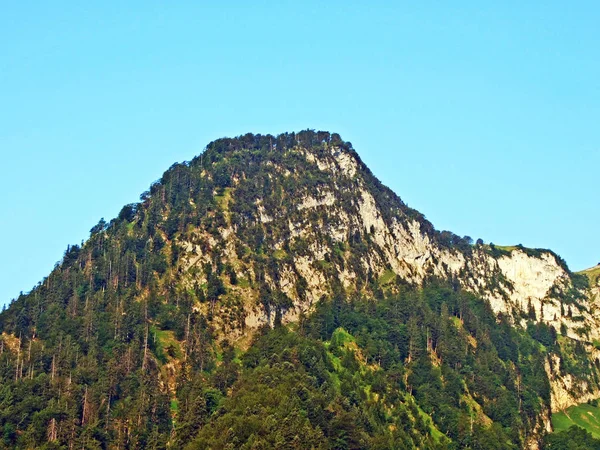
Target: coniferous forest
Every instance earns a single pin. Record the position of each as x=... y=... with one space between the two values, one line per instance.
x=143 y=337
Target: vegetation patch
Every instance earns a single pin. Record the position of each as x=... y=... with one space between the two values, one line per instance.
x=585 y=415
x=507 y=248
x=224 y=199
x=387 y=277
x=436 y=434
x=166 y=346
x=243 y=282
x=279 y=254
x=593 y=274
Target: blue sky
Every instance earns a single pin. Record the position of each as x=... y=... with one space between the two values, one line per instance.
x=486 y=118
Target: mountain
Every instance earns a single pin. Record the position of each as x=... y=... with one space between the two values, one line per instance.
x=272 y=293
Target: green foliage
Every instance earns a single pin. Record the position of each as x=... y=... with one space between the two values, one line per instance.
x=334 y=383
x=479 y=359
x=498 y=251
x=586 y=416
x=574 y=438
x=121 y=346
x=291 y=395
x=591 y=275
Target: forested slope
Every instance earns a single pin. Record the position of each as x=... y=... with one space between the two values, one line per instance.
x=271 y=293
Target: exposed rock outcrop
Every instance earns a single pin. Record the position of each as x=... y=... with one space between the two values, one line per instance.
x=347 y=230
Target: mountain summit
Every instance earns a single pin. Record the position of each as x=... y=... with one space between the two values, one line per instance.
x=272 y=293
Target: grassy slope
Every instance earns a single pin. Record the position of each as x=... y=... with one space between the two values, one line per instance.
x=593 y=273
x=508 y=248
x=345 y=340
x=585 y=416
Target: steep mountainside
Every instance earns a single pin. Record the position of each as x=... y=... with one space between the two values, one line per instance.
x=155 y=332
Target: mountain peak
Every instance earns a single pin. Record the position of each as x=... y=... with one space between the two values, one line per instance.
x=261 y=231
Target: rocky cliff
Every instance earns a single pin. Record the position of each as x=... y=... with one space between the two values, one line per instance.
x=328 y=221
x=348 y=232
x=260 y=231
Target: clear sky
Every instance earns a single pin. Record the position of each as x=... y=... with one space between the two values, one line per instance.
x=484 y=118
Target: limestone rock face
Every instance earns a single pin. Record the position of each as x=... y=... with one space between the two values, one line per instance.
x=347 y=230
x=539 y=283
x=565 y=389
